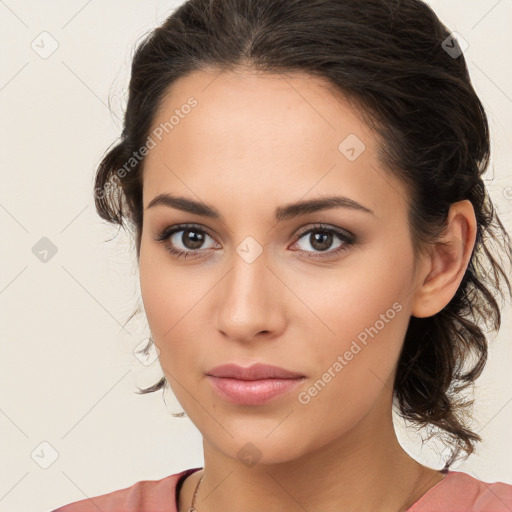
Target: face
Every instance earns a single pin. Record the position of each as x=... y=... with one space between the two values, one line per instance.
x=325 y=293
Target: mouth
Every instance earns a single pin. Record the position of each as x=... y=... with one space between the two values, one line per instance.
x=256 y=371
x=253 y=385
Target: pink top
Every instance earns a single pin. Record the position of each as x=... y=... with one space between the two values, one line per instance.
x=456 y=492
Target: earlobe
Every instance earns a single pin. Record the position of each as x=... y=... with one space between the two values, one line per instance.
x=448 y=261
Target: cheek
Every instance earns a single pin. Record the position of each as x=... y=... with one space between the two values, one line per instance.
x=343 y=302
x=165 y=288
x=174 y=302
x=156 y=296
x=355 y=366
x=161 y=292
x=362 y=318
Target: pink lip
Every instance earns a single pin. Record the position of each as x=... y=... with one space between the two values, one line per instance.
x=254 y=385
x=256 y=371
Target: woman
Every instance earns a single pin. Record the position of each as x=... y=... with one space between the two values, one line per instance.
x=304 y=182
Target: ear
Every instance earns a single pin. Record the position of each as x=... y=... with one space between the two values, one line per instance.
x=447 y=262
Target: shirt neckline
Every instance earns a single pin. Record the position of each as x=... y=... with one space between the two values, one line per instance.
x=412 y=508
x=431 y=491
x=180 y=481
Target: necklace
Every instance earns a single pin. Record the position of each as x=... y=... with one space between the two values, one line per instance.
x=192 y=507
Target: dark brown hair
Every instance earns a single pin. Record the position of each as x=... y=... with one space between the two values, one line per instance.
x=397 y=62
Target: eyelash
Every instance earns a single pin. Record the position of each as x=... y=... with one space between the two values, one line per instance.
x=347 y=238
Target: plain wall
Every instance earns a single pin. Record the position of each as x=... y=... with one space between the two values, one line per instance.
x=67 y=372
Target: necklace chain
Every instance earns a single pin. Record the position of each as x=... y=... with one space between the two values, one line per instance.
x=192 y=507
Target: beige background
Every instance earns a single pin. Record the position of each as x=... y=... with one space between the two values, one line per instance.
x=67 y=372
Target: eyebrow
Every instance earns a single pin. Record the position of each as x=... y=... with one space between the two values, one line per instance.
x=281 y=213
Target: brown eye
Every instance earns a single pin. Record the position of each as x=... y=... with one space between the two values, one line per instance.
x=184 y=240
x=191 y=238
x=320 y=239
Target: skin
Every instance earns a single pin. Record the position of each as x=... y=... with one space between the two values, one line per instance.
x=255 y=142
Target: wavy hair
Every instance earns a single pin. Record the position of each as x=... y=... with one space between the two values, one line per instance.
x=398 y=64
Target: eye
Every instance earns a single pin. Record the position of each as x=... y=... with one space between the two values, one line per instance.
x=184 y=240
x=321 y=238
x=187 y=240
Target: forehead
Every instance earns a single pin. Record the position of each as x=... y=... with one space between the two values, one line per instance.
x=296 y=107
x=270 y=133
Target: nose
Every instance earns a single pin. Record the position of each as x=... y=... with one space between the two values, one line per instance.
x=250 y=301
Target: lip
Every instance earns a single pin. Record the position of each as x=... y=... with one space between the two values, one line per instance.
x=253 y=385
x=256 y=371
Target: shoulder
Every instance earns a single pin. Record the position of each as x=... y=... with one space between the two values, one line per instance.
x=459 y=491
x=142 y=496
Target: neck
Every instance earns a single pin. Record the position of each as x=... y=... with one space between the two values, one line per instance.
x=365 y=469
